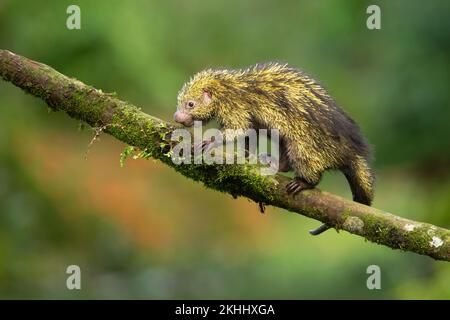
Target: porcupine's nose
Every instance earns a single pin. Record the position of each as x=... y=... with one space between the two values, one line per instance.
x=183 y=118
x=177 y=117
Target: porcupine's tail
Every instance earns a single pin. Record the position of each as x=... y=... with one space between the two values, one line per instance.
x=361 y=181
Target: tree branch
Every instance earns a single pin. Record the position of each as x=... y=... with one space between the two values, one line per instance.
x=130 y=125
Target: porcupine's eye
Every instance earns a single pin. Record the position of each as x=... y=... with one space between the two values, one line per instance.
x=191 y=104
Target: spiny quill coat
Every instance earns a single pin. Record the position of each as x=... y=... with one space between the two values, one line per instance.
x=316 y=134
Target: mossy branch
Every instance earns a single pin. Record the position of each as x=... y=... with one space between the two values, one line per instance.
x=130 y=125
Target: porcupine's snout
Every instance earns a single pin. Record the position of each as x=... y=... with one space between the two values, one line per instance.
x=183 y=118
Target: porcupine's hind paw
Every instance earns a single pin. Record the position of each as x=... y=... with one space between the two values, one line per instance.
x=297 y=185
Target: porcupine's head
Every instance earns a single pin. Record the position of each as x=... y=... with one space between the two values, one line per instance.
x=196 y=99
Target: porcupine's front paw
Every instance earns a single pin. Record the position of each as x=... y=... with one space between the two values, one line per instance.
x=266 y=159
x=281 y=164
x=297 y=185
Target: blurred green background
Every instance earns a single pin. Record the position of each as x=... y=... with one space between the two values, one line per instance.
x=143 y=231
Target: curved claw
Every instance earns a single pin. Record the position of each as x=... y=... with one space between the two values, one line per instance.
x=296 y=186
x=321 y=229
x=204 y=146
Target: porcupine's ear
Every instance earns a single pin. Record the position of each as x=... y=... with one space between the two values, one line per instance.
x=207 y=96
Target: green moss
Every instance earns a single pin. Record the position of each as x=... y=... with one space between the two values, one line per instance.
x=389 y=233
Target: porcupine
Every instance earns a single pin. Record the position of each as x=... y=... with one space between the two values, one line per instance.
x=315 y=133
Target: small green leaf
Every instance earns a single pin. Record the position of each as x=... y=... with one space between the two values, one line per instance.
x=129 y=150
